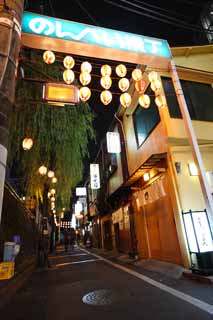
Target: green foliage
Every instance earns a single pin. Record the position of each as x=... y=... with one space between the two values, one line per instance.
x=60 y=134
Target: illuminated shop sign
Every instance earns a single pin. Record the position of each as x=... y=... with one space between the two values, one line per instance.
x=198 y=231
x=81 y=191
x=94 y=176
x=83 y=33
x=113 y=142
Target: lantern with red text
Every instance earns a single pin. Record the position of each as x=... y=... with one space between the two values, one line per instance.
x=106 y=97
x=144 y=101
x=49 y=57
x=68 y=76
x=140 y=86
x=125 y=100
x=123 y=84
x=84 y=94
x=27 y=143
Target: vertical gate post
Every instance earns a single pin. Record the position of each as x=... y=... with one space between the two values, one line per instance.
x=10 y=40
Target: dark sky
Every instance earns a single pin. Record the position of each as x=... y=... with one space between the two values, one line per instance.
x=109 y=16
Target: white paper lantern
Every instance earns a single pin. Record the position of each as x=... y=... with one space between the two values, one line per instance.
x=153 y=75
x=144 y=101
x=106 y=82
x=84 y=94
x=69 y=62
x=123 y=84
x=85 y=78
x=156 y=85
x=68 y=76
x=49 y=57
x=137 y=74
x=125 y=100
x=106 y=70
x=160 y=101
x=86 y=67
x=106 y=97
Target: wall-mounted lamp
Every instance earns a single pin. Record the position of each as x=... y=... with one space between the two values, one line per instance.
x=193 y=171
x=146 y=177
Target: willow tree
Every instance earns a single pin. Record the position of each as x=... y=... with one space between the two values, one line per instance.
x=60 y=134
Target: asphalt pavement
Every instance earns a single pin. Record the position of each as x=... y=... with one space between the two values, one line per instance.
x=82 y=285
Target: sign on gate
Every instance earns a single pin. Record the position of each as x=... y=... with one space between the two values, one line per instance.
x=82 y=33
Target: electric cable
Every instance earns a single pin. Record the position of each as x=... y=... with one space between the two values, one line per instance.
x=161 y=9
x=158 y=13
x=191 y=28
x=51 y=7
x=87 y=12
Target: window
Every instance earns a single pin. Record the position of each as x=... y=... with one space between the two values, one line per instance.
x=198 y=96
x=145 y=120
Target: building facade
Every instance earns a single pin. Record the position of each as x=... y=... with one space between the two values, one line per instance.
x=148 y=185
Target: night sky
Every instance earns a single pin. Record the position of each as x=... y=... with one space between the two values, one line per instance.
x=108 y=15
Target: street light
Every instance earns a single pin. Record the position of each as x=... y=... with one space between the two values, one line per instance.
x=50 y=174
x=54 y=180
x=42 y=170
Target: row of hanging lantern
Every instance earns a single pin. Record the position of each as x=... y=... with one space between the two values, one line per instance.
x=106 y=82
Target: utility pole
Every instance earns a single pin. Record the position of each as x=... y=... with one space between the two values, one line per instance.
x=10 y=41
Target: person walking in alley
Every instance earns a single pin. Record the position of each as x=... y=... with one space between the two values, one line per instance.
x=44 y=251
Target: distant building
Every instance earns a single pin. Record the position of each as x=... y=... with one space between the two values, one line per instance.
x=207 y=21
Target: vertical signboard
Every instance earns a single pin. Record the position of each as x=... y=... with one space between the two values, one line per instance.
x=113 y=142
x=94 y=176
x=198 y=231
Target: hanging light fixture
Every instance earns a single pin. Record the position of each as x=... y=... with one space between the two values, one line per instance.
x=54 y=180
x=106 y=97
x=123 y=84
x=160 y=101
x=125 y=100
x=68 y=76
x=49 y=57
x=86 y=67
x=52 y=199
x=140 y=86
x=42 y=170
x=106 y=82
x=69 y=62
x=84 y=94
x=106 y=70
x=85 y=78
x=27 y=143
x=137 y=74
x=121 y=70
x=144 y=101
x=50 y=174
x=153 y=75
x=156 y=85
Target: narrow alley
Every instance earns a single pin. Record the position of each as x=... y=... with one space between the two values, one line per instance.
x=83 y=285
